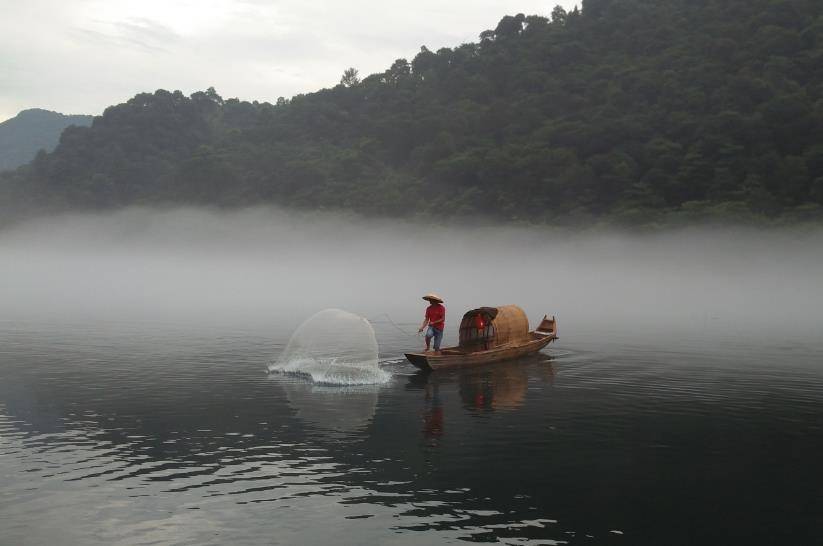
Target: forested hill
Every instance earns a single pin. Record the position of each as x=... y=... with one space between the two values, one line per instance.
x=22 y=136
x=628 y=111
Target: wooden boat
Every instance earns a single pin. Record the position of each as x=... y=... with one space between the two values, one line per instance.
x=489 y=335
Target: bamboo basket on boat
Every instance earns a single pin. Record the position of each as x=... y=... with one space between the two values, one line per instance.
x=488 y=327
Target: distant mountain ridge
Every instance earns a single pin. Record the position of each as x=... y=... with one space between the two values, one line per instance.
x=32 y=130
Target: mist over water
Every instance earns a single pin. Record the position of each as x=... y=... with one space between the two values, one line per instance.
x=680 y=405
x=257 y=267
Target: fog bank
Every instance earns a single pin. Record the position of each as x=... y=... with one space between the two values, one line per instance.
x=262 y=266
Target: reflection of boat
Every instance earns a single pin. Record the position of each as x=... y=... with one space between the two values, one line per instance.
x=494 y=388
x=481 y=389
x=488 y=335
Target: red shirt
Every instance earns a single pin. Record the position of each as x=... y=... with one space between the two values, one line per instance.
x=436 y=314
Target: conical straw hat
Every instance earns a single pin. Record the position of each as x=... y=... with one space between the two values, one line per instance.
x=431 y=296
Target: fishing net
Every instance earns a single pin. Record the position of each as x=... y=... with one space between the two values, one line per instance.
x=333 y=347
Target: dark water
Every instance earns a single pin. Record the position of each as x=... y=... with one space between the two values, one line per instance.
x=146 y=433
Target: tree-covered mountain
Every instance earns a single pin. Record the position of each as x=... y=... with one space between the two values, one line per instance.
x=626 y=110
x=30 y=131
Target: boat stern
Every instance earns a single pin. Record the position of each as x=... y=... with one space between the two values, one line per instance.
x=547 y=327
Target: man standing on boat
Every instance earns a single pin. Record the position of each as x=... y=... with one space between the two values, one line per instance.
x=435 y=319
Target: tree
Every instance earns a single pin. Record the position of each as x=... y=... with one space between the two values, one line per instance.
x=559 y=15
x=399 y=70
x=350 y=78
x=510 y=25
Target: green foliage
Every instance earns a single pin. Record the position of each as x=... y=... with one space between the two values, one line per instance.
x=631 y=111
x=350 y=78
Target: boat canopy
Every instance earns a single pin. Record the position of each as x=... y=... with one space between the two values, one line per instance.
x=488 y=327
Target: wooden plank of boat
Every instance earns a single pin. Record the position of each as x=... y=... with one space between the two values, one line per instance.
x=454 y=357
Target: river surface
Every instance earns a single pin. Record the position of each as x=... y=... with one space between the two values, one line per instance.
x=159 y=433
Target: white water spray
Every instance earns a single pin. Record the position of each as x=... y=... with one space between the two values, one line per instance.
x=333 y=347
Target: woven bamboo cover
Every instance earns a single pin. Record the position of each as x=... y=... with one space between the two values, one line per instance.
x=509 y=325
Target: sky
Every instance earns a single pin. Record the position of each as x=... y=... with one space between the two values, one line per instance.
x=80 y=56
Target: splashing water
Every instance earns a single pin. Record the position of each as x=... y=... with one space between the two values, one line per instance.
x=333 y=347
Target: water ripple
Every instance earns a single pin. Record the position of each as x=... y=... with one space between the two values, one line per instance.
x=117 y=438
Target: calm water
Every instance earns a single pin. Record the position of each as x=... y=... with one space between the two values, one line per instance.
x=146 y=433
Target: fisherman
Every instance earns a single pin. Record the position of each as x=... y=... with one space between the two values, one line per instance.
x=435 y=319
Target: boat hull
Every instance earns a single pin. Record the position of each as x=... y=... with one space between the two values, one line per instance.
x=454 y=358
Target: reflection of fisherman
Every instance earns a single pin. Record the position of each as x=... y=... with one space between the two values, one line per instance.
x=435 y=319
x=433 y=415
